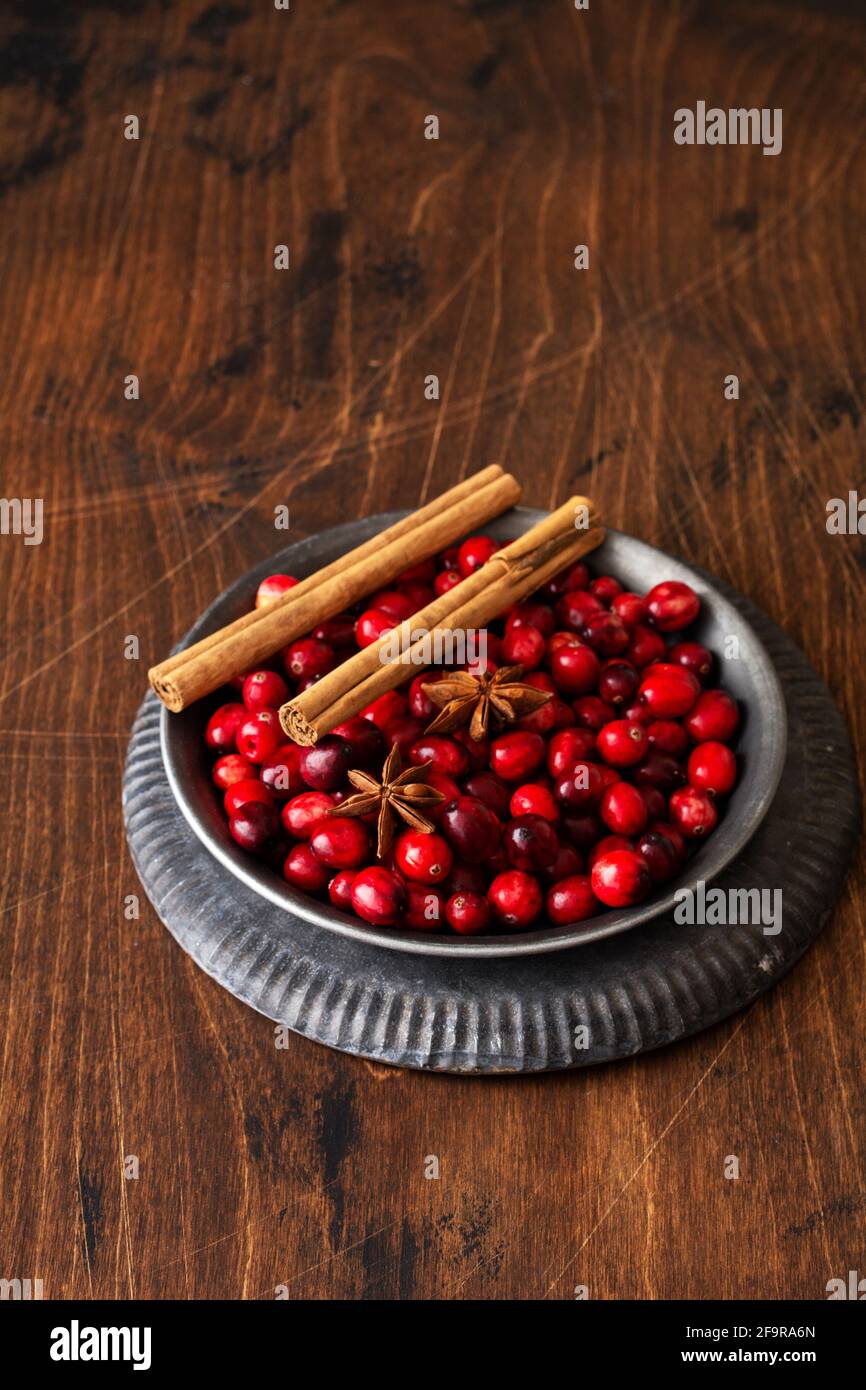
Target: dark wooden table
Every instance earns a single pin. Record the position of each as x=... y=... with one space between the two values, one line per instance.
x=259 y=387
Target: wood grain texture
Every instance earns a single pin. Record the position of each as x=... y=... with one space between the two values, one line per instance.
x=302 y=1167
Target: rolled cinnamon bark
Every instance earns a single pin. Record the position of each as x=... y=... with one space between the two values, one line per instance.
x=507 y=577
x=208 y=664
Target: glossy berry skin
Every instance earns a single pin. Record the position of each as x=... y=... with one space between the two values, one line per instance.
x=645 y=646
x=337 y=632
x=478 y=750
x=223 y=725
x=340 y=889
x=467 y=878
x=656 y=803
x=622 y=743
x=591 y=712
x=530 y=614
x=629 y=608
x=606 y=633
x=672 y=605
x=384 y=710
x=667 y=736
x=474 y=553
x=471 y=828
x=379 y=896
x=229 y=769
x=490 y=789
x=695 y=657
x=259 y=736
x=403 y=733
x=618 y=683
x=524 y=646
x=581 y=787
x=621 y=878
x=658 y=770
x=324 y=766
x=341 y=842
x=575 y=609
x=715 y=717
x=420 y=704
x=424 y=858
x=534 y=800
x=515 y=757
x=669 y=691
x=242 y=793
x=468 y=913
x=575 y=577
x=530 y=842
x=571 y=900
x=264 y=690
x=623 y=809
x=670 y=832
x=254 y=825
x=425 y=907
x=712 y=768
x=273 y=588
x=365 y=743
x=394 y=603
x=693 y=812
x=307 y=658
x=303 y=813
x=575 y=669
x=515 y=899
x=418 y=594
x=659 y=854
x=568 y=861
x=568 y=747
x=305 y=871
x=372 y=625
x=445 y=754
x=445 y=581
x=605 y=588
x=606 y=845
x=281 y=772
x=581 y=829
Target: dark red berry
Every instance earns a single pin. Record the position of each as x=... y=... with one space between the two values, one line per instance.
x=622 y=743
x=281 y=772
x=467 y=878
x=253 y=825
x=379 y=896
x=606 y=845
x=659 y=854
x=337 y=632
x=490 y=789
x=303 y=813
x=264 y=690
x=524 y=646
x=446 y=581
x=621 y=878
x=575 y=669
x=618 y=683
x=575 y=609
x=581 y=787
x=471 y=828
x=223 y=725
x=364 y=741
x=715 y=717
x=425 y=907
x=385 y=709
x=645 y=646
x=515 y=899
x=693 y=812
x=605 y=588
x=571 y=900
x=593 y=713
x=445 y=754
x=402 y=733
x=658 y=770
x=667 y=736
x=712 y=768
x=303 y=870
x=669 y=691
x=341 y=842
x=468 y=913
x=373 y=624
x=538 y=615
x=532 y=799
x=568 y=861
x=308 y=657
x=325 y=764
x=530 y=842
x=515 y=757
x=568 y=747
x=259 y=736
x=423 y=857
x=672 y=605
x=623 y=809
x=340 y=889
x=695 y=657
x=581 y=831
x=606 y=634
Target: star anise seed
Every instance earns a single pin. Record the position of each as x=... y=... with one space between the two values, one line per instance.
x=404 y=794
x=481 y=700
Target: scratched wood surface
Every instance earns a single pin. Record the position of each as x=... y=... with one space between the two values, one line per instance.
x=408 y=257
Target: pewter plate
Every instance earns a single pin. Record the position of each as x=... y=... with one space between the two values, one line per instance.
x=723 y=627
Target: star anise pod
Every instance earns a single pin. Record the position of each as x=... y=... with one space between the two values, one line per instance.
x=404 y=794
x=480 y=700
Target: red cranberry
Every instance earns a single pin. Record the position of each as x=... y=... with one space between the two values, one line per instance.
x=425 y=907
x=490 y=789
x=667 y=736
x=422 y=573
x=418 y=594
x=467 y=878
x=620 y=878
x=396 y=605
x=645 y=646
x=515 y=899
x=622 y=743
x=471 y=828
x=712 y=768
x=695 y=657
x=273 y=588
x=581 y=831
x=672 y=605
x=477 y=749
x=563 y=715
x=372 y=625
x=253 y=825
x=659 y=854
x=714 y=718
x=340 y=889
x=242 y=793
x=423 y=857
x=665 y=828
x=658 y=770
x=623 y=809
x=340 y=842
x=230 y=769
x=307 y=657
x=568 y=861
x=605 y=588
x=576 y=608
x=575 y=669
x=618 y=683
x=562 y=639
x=420 y=704
x=669 y=690
x=403 y=733
x=629 y=607
x=468 y=913
x=606 y=845
x=693 y=812
x=515 y=757
x=337 y=632
x=446 y=581
x=546 y=718
x=607 y=634
x=305 y=871
x=571 y=900
x=365 y=743
x=656 y=805
x=524 y=646
x=530 y=843
x=575 y=577
x=593 y=713
x=534 y=800
x=638 y=714
x=281 y=772
x=303 y=813
x=264 y=690
x=379 y=896
x=581 y=787
x=530 y=614
x=223 y=725
x=474 y=553
x=384 y=710
x=568 y=747
x=325 y=764
x=445 y=754
x=259 y=736
x=441 y=782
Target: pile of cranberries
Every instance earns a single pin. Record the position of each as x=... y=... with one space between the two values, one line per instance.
x=585 y=804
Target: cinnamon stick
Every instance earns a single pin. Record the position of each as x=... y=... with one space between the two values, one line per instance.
x=507 y=577
x=255 y=637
